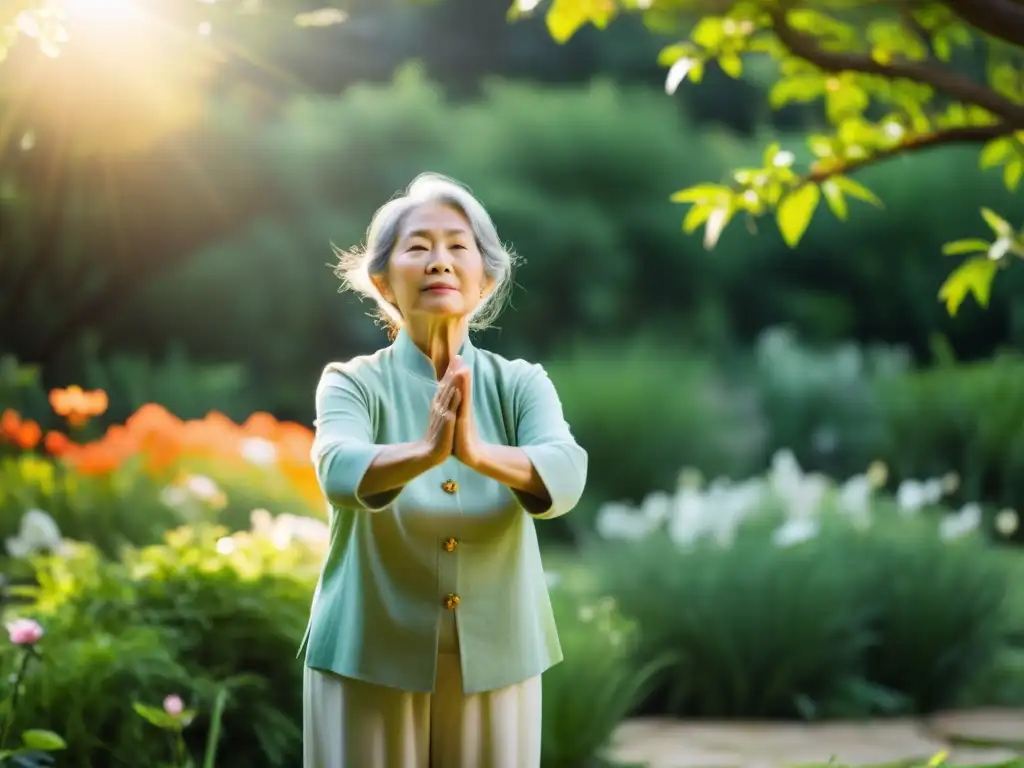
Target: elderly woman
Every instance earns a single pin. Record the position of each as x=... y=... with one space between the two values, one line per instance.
x=431 y=623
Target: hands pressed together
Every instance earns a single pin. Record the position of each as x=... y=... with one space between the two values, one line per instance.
x=451 y=430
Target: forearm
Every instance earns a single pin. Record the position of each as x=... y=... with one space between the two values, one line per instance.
x=511 y=467
x=394 y=466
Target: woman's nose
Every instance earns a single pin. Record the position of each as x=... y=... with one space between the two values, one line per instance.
x=439 y=263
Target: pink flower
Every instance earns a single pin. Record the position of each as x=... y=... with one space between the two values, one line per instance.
x=24 y=631
x=173 y=705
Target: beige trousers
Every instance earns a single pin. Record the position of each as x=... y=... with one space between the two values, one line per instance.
x=351 y=724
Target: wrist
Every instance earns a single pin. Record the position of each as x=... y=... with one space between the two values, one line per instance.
x=475 y=456
x=427 y=456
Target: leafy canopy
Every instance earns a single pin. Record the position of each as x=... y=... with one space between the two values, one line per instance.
x=891 y=77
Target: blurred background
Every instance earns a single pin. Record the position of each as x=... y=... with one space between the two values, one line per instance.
x=804 y=474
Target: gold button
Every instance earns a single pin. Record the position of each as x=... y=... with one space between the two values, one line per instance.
x=450 y=544
x=449 y=486
x=450 y=601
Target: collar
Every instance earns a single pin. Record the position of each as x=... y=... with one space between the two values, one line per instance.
x=412 y=358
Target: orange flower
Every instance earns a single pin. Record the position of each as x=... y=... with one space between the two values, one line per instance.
x=57 y=443
x=78 y=406
x=24 y=433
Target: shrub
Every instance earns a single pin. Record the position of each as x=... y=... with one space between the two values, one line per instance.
x=598 y=683
x=641 y=412
x=821 y=402
x=787 y=596
x=965 y=418
x=207 y=610
x=202 y=610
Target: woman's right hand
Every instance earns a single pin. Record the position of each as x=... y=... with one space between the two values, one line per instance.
x=440 y=437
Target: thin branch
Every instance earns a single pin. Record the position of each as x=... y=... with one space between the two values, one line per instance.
x=1002 y=19
x=961 y=88
x=972 y=134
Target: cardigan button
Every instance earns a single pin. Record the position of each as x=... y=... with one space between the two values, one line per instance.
x=450 y=544
x=450 y=601
x=449 y=486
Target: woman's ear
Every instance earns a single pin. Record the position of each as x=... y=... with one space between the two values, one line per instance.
x=488 y=287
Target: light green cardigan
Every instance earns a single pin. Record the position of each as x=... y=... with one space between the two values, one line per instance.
x=392 y=566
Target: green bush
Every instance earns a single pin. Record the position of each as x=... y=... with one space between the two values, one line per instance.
x=644 y=409
x=964 y=418
x=200 y=610
x=788 y=596
x=598 y=683
x=821 y=403
x=110 y=510
x=207 y=609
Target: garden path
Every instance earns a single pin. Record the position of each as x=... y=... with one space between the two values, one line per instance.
x=980 y=737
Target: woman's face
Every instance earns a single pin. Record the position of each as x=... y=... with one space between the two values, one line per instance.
x=436 y=269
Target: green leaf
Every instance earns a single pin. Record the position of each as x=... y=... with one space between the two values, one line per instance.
x=992 y=154
x=998 y=225
x=156 y=716
x=853 y=189
x=1013 y=172
x=834 y=198
x=696 y=216
x=964 y=247
x=800 y=88
x=974 y=276
x=565 y=17
x=44 y=741
x=731 y=64
x=709 y=32
x=670 y=54
x=702 y=193
x=795 y=212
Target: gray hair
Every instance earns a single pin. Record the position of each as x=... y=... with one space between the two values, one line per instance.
x=356 y=267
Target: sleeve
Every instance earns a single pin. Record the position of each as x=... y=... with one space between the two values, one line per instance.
x=544 y=435
x=343 y=446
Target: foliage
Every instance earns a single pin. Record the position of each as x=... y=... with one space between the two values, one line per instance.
x=217 y=612
x=741 y=581
x=36 y=744
x=942 y=419
x=95 y=490
x=821 y=403
x=891 y=82
x=598 y=683
x=668 y=408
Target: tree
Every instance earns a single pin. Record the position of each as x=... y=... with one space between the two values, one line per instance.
x=893 y=77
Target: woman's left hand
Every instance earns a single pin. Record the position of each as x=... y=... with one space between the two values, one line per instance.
x=467 y=440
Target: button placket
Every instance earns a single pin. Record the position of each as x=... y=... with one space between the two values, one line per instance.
x=448 y=544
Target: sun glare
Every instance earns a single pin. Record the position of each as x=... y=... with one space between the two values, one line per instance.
x=113 y=12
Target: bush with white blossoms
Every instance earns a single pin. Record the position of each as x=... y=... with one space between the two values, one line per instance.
x=800 y=502
x=791 y=595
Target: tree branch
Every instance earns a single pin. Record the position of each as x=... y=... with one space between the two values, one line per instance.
x=961 y=88
x=972 y=134
x=1002 y=19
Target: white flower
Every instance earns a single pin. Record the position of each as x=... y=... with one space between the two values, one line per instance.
x=795 y=531
x=961 y=523
x=38 y=532
x=226 y=545
x=259 y=451
x=616 y=520
x=202 y=488
x=912 y=495
x=1007 y=522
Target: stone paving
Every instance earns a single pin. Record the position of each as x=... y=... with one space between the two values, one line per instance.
x=979 y=737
